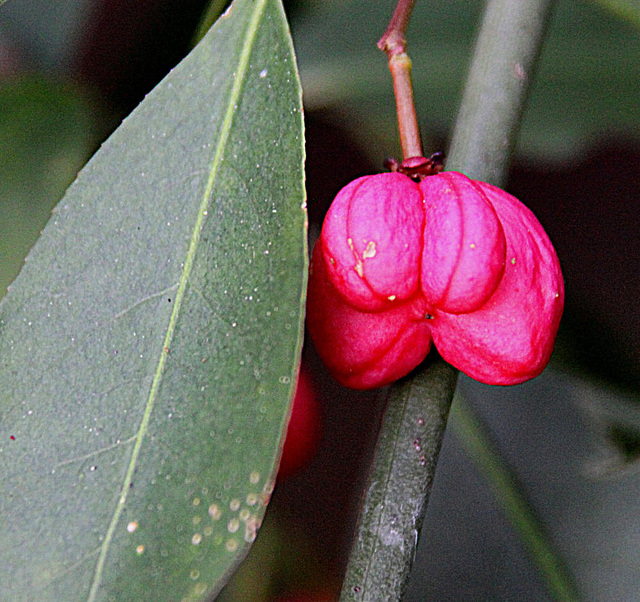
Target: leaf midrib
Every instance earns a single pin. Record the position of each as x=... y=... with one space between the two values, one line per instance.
x=236 y=89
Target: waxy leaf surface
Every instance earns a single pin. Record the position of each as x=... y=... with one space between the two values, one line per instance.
x=149 y=347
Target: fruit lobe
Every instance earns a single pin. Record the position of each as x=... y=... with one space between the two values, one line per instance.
x=510 y=338
x=371 y=249
x=362 y=350
x=464 y=246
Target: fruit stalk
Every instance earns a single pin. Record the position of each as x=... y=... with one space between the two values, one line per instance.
x=394 y=42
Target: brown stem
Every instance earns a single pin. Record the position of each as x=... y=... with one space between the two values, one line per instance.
x=400 y=66
x=393 y=42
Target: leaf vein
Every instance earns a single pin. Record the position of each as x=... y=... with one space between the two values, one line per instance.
x=243 y=63
x=59 y=574
x=96 y=452
x=150 y=297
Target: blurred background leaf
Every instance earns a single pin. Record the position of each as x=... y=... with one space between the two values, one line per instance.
x=46 y=134
x=627 y=9
x=586 y=86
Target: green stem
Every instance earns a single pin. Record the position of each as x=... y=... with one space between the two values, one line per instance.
x=478 y=445
x=209 y=17
x=406 y=456
x=392 y=511
x=494 y=97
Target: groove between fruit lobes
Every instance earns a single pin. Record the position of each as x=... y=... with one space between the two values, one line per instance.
x=450 y=260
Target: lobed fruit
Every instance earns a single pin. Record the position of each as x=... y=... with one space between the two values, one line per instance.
x=450 y=260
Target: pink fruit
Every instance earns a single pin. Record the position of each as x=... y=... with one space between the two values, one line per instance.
x=363 y=350
x=304 y=431
x=452 y=260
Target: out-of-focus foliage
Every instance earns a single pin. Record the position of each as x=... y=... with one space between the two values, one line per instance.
x=586 y=86
x=627 y=9
x=46 y=134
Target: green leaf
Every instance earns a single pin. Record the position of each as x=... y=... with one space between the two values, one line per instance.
x=149 y=347
x=626 y=9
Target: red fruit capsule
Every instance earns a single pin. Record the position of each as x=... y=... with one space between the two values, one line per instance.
x=305 y=428
x=452 y=260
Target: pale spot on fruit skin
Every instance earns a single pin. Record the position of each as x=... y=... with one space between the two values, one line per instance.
x=139 y=549
x=391 y=297
x=214 y=512
x=233 y=526
x=132 y=526
x=231 y=545
x=196 y=539
x=234 y=505
x=370 y=250
x=358 y=266
x=254 y=477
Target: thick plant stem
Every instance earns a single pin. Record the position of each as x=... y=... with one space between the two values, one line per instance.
x=392 y=513
x=403 y=471
x=494 y=97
